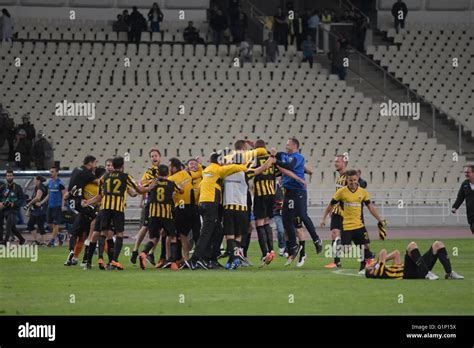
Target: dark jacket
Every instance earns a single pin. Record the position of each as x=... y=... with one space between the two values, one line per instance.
x=11 y=196
x=150 y=15
x=218 y=23
x=465 y=194
x=137 y=21
x=120 y=26
x=30 y=131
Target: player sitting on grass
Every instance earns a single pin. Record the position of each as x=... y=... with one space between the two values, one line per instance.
x=415 y=267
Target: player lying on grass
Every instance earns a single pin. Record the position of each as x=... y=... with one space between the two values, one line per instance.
x=415 y=267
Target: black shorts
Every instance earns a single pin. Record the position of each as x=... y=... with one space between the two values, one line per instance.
x=97 y=223
x=336 y=222
x=37 y=220
x=155 y=224
x=112 y=219
x=412 y=271
x=81 y=225
x=298 y=222
x=184 y=219
x=358 y=236
x=55 y=215
x=235 y=222
x=144 y=215
x=263 y=207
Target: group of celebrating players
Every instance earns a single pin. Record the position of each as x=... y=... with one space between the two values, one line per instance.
x=214 y=203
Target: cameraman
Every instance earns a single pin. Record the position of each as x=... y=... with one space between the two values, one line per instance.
x=11 y=195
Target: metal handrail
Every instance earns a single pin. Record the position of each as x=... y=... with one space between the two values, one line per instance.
x=393 y=79
x=350 y=6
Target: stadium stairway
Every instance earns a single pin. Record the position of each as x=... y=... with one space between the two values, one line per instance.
x=366 y=76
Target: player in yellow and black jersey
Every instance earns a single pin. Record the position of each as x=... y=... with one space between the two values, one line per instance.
x=113 y=188
x=416 y=266
x=150 y=174
x=340 y=163
x=263 y=200
x=195 y=169
x=184 y=203
x=209 y=205
x=160 y=213
x=350 y=199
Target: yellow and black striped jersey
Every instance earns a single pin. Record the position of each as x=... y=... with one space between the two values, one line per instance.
x=150 y=174
x=184 y=180
x=240 y=156
x=212 y=180
x=236 y=207
x=263 y=183
x=340 y=183
x=351 y=206
x=383 y=271
x=113 y=187
x=160 y=199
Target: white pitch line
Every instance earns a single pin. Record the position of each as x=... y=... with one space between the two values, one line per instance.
x=341 y=272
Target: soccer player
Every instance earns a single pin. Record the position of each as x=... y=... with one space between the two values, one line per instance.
x=340 y=163
x=350 y=198
x=150 y=174
x=235 y=215
x=244 y=154
x=295 y=199
x=37 y=210
x=264 y=197
x=113 y=188
x=193 y=166
x=209 y=202
x=184 y=205
x=466 y=193
x=80 y=178
x=416 y=266
x=55 y=198
x=161 y=203
x=90 y=214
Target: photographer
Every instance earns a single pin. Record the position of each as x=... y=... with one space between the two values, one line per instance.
x=11 y=195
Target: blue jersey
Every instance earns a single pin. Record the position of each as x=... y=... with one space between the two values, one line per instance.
x=295 y=163
x=55 y=188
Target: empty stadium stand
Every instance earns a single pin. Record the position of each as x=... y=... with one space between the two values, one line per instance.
x=435 y=62
x=138 y=107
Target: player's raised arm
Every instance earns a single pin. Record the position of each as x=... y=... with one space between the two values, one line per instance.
x=268 y=163
x=141 y=189
x=292 y=175
x=231 y=169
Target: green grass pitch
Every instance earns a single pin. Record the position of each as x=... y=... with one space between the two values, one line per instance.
x=46 y=287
